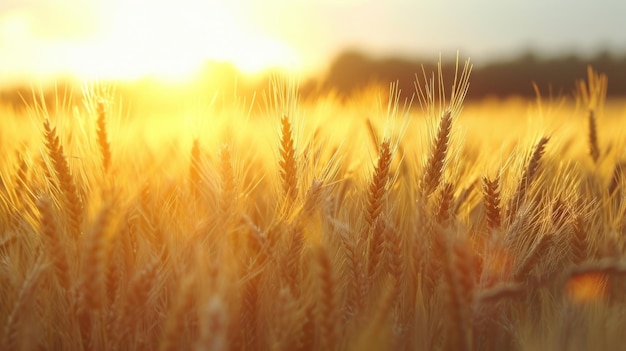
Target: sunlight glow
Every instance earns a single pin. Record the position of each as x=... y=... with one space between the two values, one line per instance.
x=136 y=38
x=174 y=39
x=587 y=287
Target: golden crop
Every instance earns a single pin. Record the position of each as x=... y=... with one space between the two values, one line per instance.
x=320 y=225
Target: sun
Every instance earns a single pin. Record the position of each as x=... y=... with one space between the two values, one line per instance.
x=173 y=39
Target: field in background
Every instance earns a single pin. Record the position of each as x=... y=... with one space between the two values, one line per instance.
x=277 y=223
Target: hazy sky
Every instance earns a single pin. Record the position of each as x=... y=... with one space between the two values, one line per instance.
x=41 y=36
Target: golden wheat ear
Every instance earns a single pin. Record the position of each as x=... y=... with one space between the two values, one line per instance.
x=94 y=260
x=355 y=268
x=444 y=203
x=327 y=301
x=102 y=136
x=136 y=300
x=287 y=163
x=592 y=93
x=395 y=260
x=54 y=242
x=527 y=177
x=594 y=148
x=71 y=201
x=433 y=102
x=378 y=185
x=458 y=278
x=491 y=195
x=435 y=164
x=579 y=241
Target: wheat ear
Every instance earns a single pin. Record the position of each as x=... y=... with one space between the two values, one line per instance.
x=287 y=163
x=376 y=243
x=356 y=276
x=327 y=304
x=292 y=256
x=527 y=177
x=594 y=148
x=437 y=157
x=139 y=290
x=94 y=265
x=375 y=199
x=579 y=240
x=102 y=136
x=491 y=196
x=456 y=302
x=249 y=310
x=71 y=200
x=54 y=242
x=444 y=204
x=395 y=258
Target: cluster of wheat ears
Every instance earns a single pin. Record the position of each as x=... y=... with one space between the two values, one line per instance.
x=310 y=239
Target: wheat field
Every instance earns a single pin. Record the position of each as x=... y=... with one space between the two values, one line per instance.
x=375 y=223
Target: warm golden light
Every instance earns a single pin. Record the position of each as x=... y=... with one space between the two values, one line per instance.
x=590 y=286
x=128 y=39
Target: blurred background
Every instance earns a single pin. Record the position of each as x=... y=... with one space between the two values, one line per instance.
x=337 y=45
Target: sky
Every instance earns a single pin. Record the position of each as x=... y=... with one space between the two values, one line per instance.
x=130 y=38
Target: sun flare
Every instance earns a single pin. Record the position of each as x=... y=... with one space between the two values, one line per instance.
x=172 y=40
